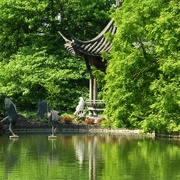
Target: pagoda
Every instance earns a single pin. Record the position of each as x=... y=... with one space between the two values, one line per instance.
x=91 y=51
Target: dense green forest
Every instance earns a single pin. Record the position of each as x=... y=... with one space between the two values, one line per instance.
x=33 y=61
x=141 y=84
x=142 y=87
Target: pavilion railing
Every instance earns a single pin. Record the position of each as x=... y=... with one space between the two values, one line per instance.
x=97 y=105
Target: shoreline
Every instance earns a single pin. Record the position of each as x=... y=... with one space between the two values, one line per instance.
x=82 y=128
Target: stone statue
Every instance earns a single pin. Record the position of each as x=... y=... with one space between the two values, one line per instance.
x=54 y=118
x=42 y=109
x=81 y=109
x=12 y=115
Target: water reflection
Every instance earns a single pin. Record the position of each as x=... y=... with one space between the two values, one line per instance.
x=11 y=157
x=79 y=146
x=53 y=156
x=89 y=156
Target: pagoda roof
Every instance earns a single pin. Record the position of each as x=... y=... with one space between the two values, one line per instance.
x=92 y=47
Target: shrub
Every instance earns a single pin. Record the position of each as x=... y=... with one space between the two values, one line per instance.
x=89 y=120
x=66 y=120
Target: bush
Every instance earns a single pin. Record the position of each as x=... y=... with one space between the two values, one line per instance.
x=89 y=120
x=67 y=120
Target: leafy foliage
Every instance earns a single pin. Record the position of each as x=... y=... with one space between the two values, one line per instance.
x=33 y=61
x=142 y=81
x=36 y=75
x=166 y=88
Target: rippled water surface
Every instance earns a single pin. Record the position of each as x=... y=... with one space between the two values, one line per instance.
x=89 y=156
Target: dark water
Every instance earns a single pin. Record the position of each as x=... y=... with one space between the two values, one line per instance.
x=88 y=156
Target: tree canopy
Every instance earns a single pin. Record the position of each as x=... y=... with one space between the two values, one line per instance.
x=143 y=74
x=33 y=61
x=141 y=84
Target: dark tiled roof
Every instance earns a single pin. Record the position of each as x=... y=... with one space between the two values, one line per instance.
x=97 y=45
x=92 y=47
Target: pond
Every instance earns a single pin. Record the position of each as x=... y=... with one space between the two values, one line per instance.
x=89 y=156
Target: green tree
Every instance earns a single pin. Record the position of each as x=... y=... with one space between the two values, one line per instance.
x=33 y=74
x=33 y=61
x=144 y=48
x=21 y=22
x=165 y=108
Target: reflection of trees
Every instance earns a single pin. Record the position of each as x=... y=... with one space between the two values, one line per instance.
x=90 y=157
x=140 y=158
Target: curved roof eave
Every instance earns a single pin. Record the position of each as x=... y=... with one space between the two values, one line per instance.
x=92 y=47
x=108 y=28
